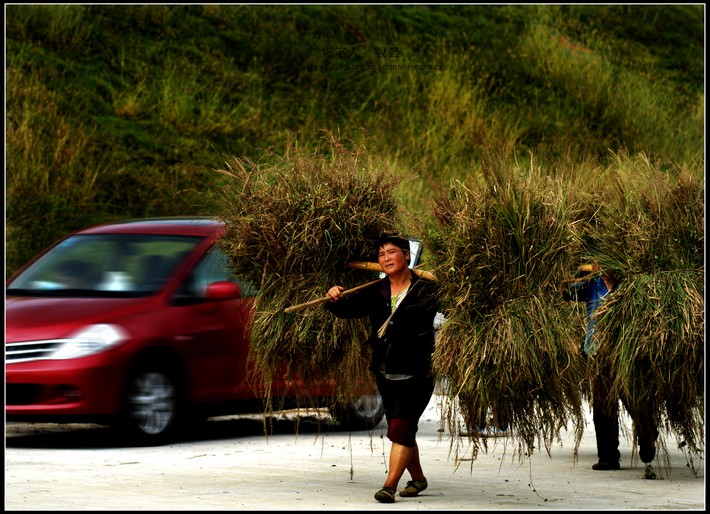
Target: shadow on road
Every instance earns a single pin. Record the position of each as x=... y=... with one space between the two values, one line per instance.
x=85 y=436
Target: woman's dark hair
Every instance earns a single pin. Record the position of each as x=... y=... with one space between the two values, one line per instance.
x=395 y=239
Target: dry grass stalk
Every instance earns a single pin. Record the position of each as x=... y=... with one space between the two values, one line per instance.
x=651 y=236
x=502 y=244
x=292 y=227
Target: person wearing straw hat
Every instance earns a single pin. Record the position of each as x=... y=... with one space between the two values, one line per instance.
x=593 y=290
x=401 y=308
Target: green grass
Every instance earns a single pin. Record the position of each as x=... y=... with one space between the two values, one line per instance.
x=293 y=225
x=520 y=140
x=117 y=111
x=504 y=244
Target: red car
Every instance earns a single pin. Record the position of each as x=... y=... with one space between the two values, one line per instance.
x=140 y=324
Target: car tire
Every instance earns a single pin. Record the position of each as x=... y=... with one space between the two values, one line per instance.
x=361 y=413
x=153 y=404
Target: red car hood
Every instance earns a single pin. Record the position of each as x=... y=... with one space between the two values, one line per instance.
x=32 y=319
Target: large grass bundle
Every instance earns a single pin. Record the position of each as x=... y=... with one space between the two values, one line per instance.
x=292 y=227
x=503 y=244
x=651 y=235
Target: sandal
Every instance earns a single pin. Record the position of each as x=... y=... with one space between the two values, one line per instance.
x=385 y=495
x=414 y=487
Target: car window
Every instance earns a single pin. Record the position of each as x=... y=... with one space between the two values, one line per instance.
x=126 y=264
x=213 y=267
x=415 y=251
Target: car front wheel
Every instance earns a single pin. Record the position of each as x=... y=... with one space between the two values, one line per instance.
x=361 y=413
x=152 y=404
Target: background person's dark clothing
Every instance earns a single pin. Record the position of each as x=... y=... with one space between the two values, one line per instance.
x=605 y=411
x=606 y=424
x=646 y=430
x=606 y=419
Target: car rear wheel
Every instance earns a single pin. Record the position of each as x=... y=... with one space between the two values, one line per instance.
x=152 y=404
x=361 y=413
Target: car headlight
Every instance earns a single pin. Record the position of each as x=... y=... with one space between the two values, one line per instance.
x=89 y=340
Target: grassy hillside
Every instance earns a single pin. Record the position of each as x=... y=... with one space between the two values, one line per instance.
x=123 y=111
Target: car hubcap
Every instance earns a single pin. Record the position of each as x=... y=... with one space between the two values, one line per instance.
x=153 y=402
x=367 y=407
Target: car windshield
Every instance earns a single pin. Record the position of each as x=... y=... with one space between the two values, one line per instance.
x=104 y=265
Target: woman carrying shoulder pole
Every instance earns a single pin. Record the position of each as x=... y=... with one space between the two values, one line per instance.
x=401 y=308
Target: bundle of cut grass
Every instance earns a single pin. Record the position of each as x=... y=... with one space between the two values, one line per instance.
x=502 y=246
x=651 y=334
x=292 y=226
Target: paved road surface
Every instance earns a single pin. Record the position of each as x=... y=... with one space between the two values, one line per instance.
x=232 y=465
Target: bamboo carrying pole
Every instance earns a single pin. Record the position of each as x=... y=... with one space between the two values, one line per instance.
x=372 y=266
x=375 y=266
x=326 y=298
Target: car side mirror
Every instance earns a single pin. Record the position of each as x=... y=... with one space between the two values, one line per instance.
x=415 y=251
x=223 y=290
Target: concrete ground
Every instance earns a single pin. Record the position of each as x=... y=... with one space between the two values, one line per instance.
x=234 y=466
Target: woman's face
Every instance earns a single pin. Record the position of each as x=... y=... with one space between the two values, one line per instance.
x=392 y=258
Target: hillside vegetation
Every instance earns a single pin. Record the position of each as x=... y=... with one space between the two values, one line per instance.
x=125 y=111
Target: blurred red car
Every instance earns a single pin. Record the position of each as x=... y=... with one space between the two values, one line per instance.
x=140 y=324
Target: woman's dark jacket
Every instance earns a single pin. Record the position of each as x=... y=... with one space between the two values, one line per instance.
x=408 y=343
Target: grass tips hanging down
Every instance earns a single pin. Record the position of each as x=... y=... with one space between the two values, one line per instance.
x=651 y=235
x=502 y=244
x=293 y=224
